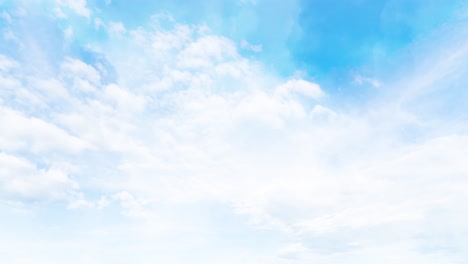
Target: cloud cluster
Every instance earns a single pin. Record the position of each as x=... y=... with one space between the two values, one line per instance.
x=192 y=123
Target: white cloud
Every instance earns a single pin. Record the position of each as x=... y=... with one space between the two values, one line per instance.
x=59 y=13
x=103 y=202
x=19 y=177
x=253 y=146
x=206 y=51
x=80 y=75
x=131 y=206
x=115 y=28
x=123 y=99
x=78 y=6
x=74 y=68
x=77 y=200
x=292 y=251
x=246 y=45
x=321 y=112
x=31 y=134
x=269 y=109
x=7 y=64
x=51 y=89
x=98 y=23
x=356 y=218
x=163 y=40
x=302 y=87
x=367 y=80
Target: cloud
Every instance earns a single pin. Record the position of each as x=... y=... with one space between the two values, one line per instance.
x=131 y=206
x=321 y=112
x=195 y=138
x=68 y=33
x=80 y=75
x=78 y=6
x=246 y=45
x=367 y=80
x=35 y=135
x=302 y=87
x=292 y=251
x=6 y=16
x=21 y=178
x=116 y=28
x=205 y=51
x=7 y=64
x=123 y=99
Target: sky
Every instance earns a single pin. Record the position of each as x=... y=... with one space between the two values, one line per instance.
x=237 y=131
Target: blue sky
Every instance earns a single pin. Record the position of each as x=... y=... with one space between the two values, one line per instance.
x=243 y=131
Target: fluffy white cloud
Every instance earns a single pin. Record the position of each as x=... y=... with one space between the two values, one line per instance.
x=21 y=178
x=206 y=51
x=302 y=87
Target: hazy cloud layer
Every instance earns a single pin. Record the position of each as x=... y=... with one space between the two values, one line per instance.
x=167 y=142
